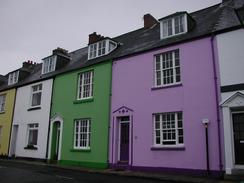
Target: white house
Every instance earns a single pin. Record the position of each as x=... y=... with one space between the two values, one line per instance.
x=31 y=120
x=230 y=47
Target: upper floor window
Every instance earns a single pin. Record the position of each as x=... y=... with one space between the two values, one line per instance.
x=168 y=129
x=167 y=68
x=85 y=85
x=82 y=134
x=101 y=48
x=173 y=26
x=13 y=78
x=2 y=103
x=36 y=94
x=49 y=64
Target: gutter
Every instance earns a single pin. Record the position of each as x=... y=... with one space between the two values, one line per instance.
x=216 y=99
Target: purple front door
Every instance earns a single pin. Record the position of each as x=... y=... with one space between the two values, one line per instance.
x=124 y=139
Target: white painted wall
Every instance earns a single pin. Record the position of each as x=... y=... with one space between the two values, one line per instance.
x=231 y=57
x=23 y=117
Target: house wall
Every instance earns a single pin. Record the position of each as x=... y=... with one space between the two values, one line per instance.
x=23 y=117
x=231 y=57
x=6 y=120
x=132 y=82
x=65 y=105
x=231 y=64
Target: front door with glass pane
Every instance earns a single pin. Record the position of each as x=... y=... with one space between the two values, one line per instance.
x=238 y=130
x=124 y=139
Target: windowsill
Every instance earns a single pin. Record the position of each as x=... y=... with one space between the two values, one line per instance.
x=168 y=148
x=81 y=150
x=34 y=108
x=166 y=86
x=173 y=35
x=31 y=148
x=2 y=112
x=83 y=100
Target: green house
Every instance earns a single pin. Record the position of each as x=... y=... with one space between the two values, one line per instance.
x=80 y=112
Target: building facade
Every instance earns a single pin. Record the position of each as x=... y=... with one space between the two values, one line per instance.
x=80 y=116
x=7 y=100
x=157 y=121
x=31 y=120
x=231 y=64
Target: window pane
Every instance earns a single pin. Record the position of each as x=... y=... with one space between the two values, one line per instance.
x=171 y=132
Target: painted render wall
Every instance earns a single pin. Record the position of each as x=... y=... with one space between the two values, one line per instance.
x=231 y=63
x=66 y=106
x=23 y=117
x=132 y=83
x=6 y=120
x=231 y=57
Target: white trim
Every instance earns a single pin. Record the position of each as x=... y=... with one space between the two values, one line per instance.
x=119 y=135
x=14 y=76
x=54 y=57
x=234 y=101
x=31 y=94
x=107 y=51
x=81 y=85
x=88 y=133
x=55 y=118
x=172 y=19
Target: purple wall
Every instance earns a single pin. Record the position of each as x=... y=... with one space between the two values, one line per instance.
x=132 y=83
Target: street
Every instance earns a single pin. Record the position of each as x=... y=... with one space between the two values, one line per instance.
x=11 y=172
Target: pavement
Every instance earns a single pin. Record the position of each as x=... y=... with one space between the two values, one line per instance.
x=164 y=177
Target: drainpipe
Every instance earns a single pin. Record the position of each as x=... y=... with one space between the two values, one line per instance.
x=217 y=99
x=49 y=123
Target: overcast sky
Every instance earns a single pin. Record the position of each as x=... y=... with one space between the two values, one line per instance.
x=31 y=29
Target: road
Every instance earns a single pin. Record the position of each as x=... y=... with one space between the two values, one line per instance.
x=15 y=172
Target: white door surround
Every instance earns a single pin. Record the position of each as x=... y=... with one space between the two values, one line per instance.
x=230 y=106
x=55 y=118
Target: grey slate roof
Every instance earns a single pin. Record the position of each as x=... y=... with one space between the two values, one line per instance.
x=210 y=20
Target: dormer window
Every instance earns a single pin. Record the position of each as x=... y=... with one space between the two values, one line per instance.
x=173 y=26
x=49 y=64
x=101 y=48
x=13 y=78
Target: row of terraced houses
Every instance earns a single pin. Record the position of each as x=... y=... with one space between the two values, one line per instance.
x=166 y=97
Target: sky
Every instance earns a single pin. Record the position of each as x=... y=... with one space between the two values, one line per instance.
x=31 y=29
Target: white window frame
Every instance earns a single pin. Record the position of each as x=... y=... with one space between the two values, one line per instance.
x=29 y=128
x=172 y=20
x=49 y=64
x=162 y=69
x=161 y=128
x=86 y=131
x=13 y=78
x=2 y=103
x=35 y=92
x=82 y=85
x=93 y=49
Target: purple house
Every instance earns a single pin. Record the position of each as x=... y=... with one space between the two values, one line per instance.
x=164 y=112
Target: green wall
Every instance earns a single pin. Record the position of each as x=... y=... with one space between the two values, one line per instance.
x=64 y=103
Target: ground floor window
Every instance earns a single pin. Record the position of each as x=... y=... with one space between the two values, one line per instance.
x=168 y=129
x=82 y=134
x=32 y=134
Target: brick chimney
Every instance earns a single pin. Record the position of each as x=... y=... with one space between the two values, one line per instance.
x=61 y=51
x=149 y=21
x=28 y=64
x=94 y=37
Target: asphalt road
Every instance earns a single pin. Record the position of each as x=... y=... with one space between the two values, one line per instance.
x=15 y=172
